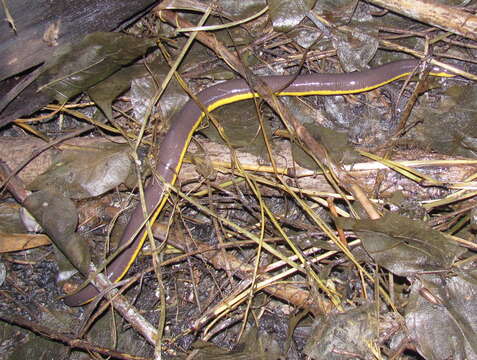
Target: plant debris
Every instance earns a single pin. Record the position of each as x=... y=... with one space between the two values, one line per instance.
x=318 y=227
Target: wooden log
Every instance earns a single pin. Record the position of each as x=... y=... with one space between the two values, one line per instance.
x=44 y=24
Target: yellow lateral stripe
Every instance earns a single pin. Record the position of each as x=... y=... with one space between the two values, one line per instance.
x=240 y=97
x=165 y=196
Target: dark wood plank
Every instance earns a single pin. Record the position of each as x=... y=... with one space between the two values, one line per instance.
x=74 y=18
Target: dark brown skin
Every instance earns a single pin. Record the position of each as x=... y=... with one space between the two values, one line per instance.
x=186 y=121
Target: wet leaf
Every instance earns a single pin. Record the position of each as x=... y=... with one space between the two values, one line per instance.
x=254 y=345
x=404 y=246
x=27 y=345
x=355 y=49
x=110 y=88
x=237 y=9
x=76 y=67
x=304 y=36
x=442 y=316
x=287 y=14
x=88 y=172
x=241 y=126
x=337 y=11
x=144 y=89
x=228 y=8
x=348 y=333
x=66 y=270
x=203 y=166
x=367 y=123
x=144 y=81
x=58 y=217
x=10 y=221
x=449 y=126
x=409 y=207
x=336 y=143
x=3 y=273
x=142 y=96
x=357 y=42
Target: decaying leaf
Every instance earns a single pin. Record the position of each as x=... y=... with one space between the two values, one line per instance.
x=287 y=14
x=87 y=172
x=58 y=217
x=10 y=221
x=344 y=335
x=254 y=345
x=104 y=92
x=143 y=91
x=241 y=126
x=442 y=316
x=144 y=79
x=339 y=148
x=76 y=67
x=404 y=246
